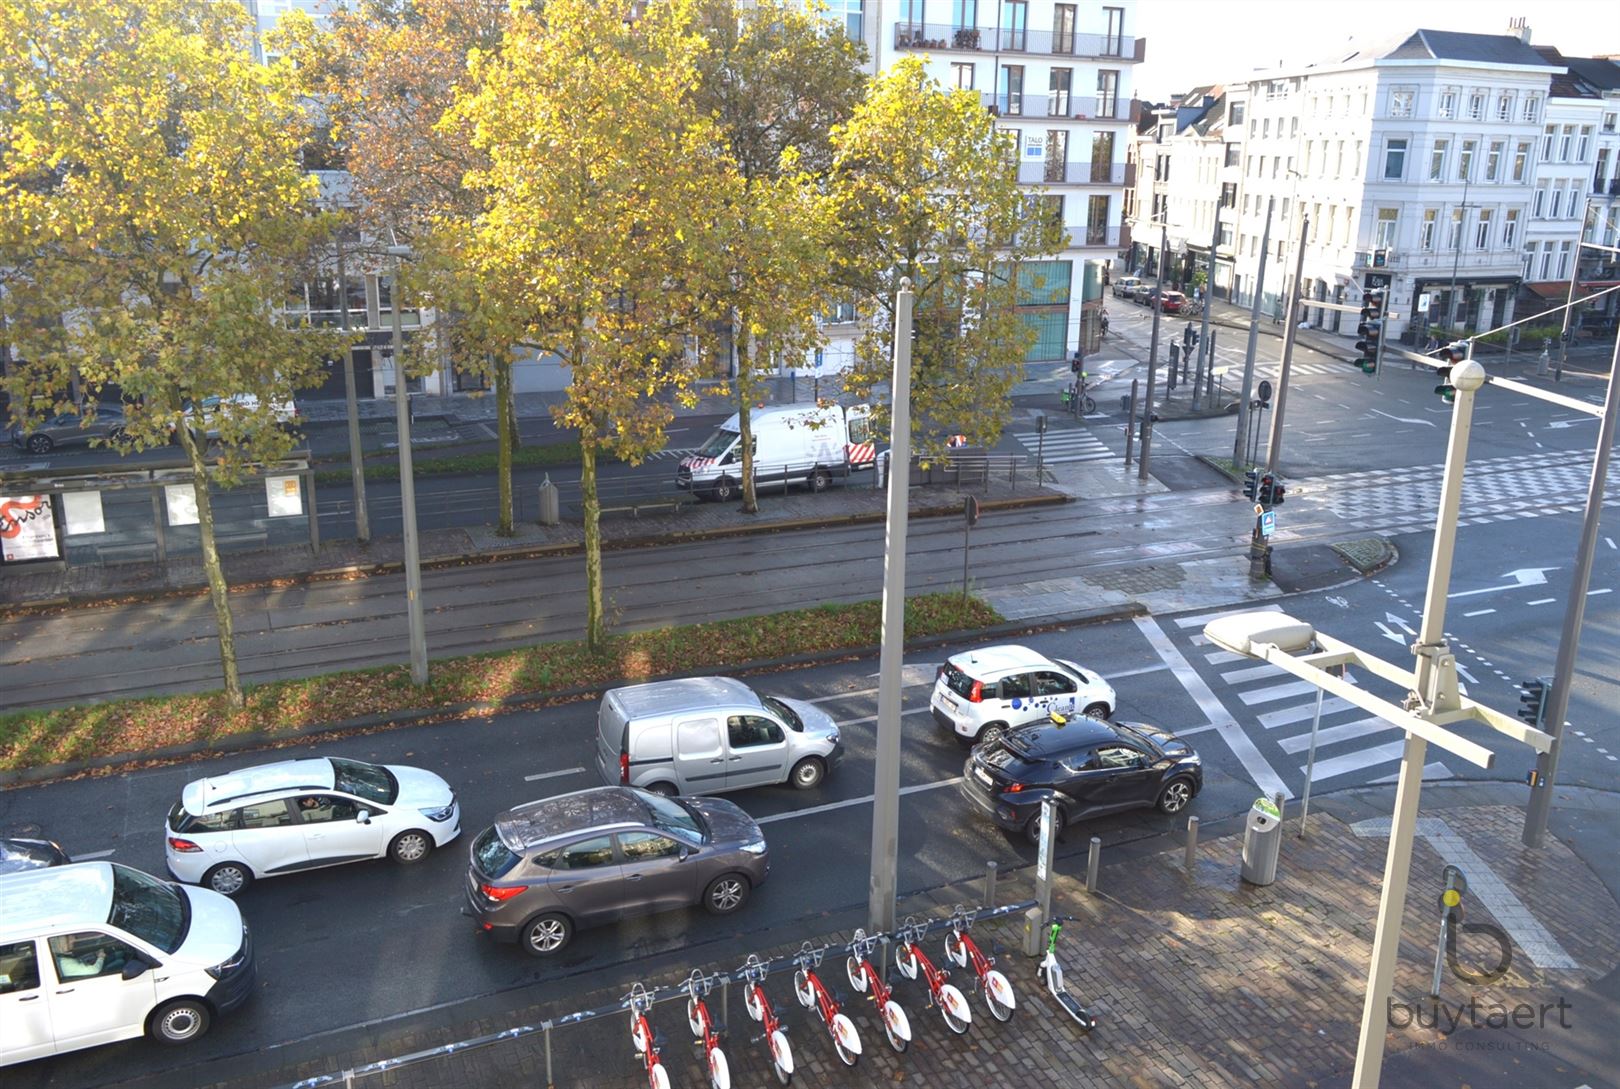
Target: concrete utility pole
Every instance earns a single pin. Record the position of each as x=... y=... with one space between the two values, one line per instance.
x=1456 y=259
x=886 y=776
x=1153 y=357
x=1537 y=812
x=407 y=484
x=1239 y=452
x=1289 y=335
x=357 y=454
x=1204 y=354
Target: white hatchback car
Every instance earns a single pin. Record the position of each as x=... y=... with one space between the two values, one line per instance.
x=301 y=814
x=983 y=693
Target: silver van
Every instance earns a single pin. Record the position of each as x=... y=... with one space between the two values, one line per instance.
x=703 y=735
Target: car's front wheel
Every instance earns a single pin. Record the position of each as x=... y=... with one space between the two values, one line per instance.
x=409 y=847
x=1175 y=796
x=1033 y=828
x=808 y=773
x=723 y=490
x=546 y=934
x=228 y=878
x=726 y=894
x=1099 y=710
x=179 y=1022
x=40 y=444
x=992 y=731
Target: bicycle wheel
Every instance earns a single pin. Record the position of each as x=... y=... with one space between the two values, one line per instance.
x=719 y=1070
x=751 y=1002
x=637 y=1037
x=1088 y=406
x=905 y=959
x=781 y=1057
x=954 y=1008
x=896 y=1026
x=956 y=949
x=693 y=1022
x=846 y=1041
x=802 y=989
x=856 y=974
x=998 y=996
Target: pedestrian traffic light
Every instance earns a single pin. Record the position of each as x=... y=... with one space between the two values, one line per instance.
x=1251 y=484
x=1277 y=493
x=1533 y=701
x=1268 y=484
x=1370 y=330
x=1451 y=355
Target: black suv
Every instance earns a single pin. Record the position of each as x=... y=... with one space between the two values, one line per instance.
x=1089 y=766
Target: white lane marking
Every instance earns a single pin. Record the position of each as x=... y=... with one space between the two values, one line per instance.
x=1224 y=657
x=1331 y=705
x=1355 y=761
x=1260 y=770
x=863 y=800
x=857 y=692
x=1542 y=601
x=1431 y=772
x=1201 y=619
x=1480 y=612
x=1276 y=692
x=1335 y=734
x=552 y=775
x=1605 y=590
x=1243 y=676
x=873 y=718
x=89 y=855
x=1204 y=729
x=1161 y=667
x=1510 y=912
x=911 y=674
x=1401 y=419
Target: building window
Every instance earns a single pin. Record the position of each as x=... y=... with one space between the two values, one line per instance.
x=1114 y=40
x=1493 y=160
x=1229 y=194
x=1388 y=220
x=1565 y=143
x=1014 y=24
x=1465 y=160
x=1602 y=168
x=1057 y=98
x=1063 y=18
x=1395 y=158
x=1586 y=142
x=911 y=16
x=1521 y=160
x=1233 y=154
x=1338 y=162
x=1400 y=101
x=964 y=14
x=1476 y=106
x=1057 y=154
x=1510 y=227
x=1108 y=92
x=1563 y=260
x=962 y=75
x=1234 y=116
x=1426 y=233
x=1547 y=135
x=1557 y=199
x=1448 y=104
x=1482 y=229
x=1012 y=89
x=1050 y=209
x=853 y=12
x=1454 y=236
x=1546 y=260
x=1609 y=120
x=1538 y=203
x=1265 y=128
x=1293 y=126
x=1532 y=107
x=1504 y=107
x=1437 y=160
x=1102 y=157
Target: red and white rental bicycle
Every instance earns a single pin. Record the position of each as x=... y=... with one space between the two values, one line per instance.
x=964 y=951
x=759 y=1008
x=703 y=1029
x=866 y=979
x=813 y=994
x=911 y=960
x=641 y=1036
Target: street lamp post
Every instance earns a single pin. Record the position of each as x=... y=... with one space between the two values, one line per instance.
x=1456 y=257
x=1274 y=445
x=357 y=457
x=407 y=485
x=1153 y=357
x=1239 y=446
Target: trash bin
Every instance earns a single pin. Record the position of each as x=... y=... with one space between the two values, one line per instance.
x=550 y=514
x=1262 y=840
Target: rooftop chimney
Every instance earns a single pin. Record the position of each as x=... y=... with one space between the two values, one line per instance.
x=1519 y=28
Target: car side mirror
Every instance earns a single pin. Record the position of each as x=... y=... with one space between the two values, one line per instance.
x=134 y=968
x=363 y=817
x=685 y=853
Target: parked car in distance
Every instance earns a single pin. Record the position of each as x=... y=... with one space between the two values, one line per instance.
x=1170 y=302
x=1090 y=767
x=95 y=952
x=981 y=693
x=1144 y=293
x=704 y=735
x=229 y=830
x=548 y=868
x=242 y=404
x=1125 y=286
x=71 y=429
x=17 y=855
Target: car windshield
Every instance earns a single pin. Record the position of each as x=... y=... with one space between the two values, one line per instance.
x=718 y=443
x=671 y=816
x=784 y=712
x=152 y=910
x=492 y=856
x=1131 y=733
x=368 y=781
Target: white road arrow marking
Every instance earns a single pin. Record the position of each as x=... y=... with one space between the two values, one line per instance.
x=1401 y=419
x=1561 y=424
x=1394 y=636
x=1465 y=675
x=1397 y=622
x=1524 y=576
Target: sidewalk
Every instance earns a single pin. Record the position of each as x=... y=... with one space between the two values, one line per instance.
x=1197 y=979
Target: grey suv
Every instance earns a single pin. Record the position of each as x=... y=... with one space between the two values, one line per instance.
x=595 y=856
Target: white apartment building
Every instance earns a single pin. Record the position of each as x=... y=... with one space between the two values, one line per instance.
x=1445 y=166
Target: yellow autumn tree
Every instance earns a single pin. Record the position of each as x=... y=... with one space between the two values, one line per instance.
x=599 y=198
x=152 y=209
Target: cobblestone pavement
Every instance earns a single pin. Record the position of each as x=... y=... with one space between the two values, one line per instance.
x=1197 y=978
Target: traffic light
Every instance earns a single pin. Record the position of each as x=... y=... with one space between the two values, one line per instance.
x=1268 y=484
x=1277 y=493
x=1451 y=355
x=1251 y=484
x=1533 y=702
x=1370 y=330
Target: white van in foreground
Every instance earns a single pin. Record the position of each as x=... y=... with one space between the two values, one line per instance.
x=96 y=952
x=792 y=443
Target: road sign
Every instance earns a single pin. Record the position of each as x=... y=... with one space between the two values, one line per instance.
x=1268 y=523
x=1265 y=390
x=1423 y=304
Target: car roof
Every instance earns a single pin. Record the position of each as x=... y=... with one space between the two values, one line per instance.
x=685 y=694
x=223 y=791
x=1049 y=739
x=527 y=826
x=986 y=661
x=55 y=899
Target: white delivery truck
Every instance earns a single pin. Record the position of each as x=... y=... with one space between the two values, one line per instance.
x=791 y=443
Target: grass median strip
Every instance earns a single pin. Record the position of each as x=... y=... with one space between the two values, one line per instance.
x=386 y=466
x=287 y=709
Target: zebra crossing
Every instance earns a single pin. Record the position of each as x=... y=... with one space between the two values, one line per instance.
x=1276 y=710
x=1064 y=446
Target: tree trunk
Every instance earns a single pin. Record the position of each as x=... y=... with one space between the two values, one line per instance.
x=595 y=633
x=218 y=591
x=745 y=393
x=511 y=409
x=506 y=432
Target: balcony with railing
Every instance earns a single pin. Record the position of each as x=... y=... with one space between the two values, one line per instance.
x=980 y=39
x=1057 y=106
x=1058 y=172
x=1094 y=236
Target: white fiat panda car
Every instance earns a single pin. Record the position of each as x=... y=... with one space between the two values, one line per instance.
x=981 y=694
x=94 y=952
x=228 y=830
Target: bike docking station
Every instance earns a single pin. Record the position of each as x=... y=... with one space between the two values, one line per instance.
x=1041 y=927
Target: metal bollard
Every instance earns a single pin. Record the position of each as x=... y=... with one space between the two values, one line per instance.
x=1093 y=860
x=550 y=1081
x=1191 y=860
x=725 y=1000
x=990 y=874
